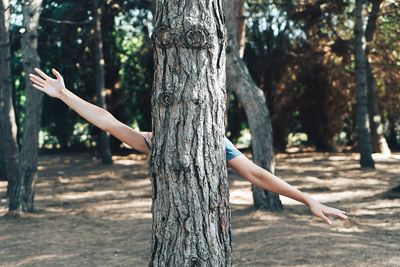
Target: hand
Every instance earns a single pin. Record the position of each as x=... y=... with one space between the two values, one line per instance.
x=48 y=85
x=323 y=211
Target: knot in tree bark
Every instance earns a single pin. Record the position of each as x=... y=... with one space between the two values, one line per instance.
x=197 y=37
x=195 y=262
x=163 y=37
x=196 y=102
x=166 y=99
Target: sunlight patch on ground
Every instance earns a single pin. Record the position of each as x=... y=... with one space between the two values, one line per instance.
x=3 y=186
x=340 y=196
x=243 y=196
x=82 y=195
x=250 y=229
x=36 y=259
x=126 y=162
x=137 y=209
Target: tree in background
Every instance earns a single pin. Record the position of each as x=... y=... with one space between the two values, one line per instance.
x=191 y=218
x=9 y=151
x=386 y=64
x=363 y=126
x=113 y=85
x=379 y=143
x=253 y=101
x=22 y=189
x=103 y=141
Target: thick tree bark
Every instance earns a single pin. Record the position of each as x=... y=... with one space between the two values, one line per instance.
x=253 y=100
x=379 y=143
x=8 y=128
x=103 y=138
x=191 y=217
x=23 y=191
x=364 y=133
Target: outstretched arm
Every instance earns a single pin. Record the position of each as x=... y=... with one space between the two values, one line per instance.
x=92 y=113
x=264 y=179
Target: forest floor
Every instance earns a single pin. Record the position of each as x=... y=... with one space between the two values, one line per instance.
x=89 y=214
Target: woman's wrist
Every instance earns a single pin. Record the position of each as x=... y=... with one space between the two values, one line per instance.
x=63 y=94
x=308 y=200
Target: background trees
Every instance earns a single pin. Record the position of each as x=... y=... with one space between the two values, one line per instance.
x=103 y=140
x=9 y=152
x=20 y=165
x=253 y=101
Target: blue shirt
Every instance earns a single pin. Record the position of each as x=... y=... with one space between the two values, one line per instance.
x=230 y=150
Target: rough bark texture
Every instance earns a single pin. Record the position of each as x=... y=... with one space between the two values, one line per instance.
x=253 y=100
x=103 y=138
x=364 y=137
x=379 y=143
x=23 y=191
x=8 y=128
x=191 y=217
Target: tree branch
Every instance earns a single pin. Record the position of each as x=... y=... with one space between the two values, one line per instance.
x=70 y=22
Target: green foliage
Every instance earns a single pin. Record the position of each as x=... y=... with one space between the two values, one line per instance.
x=135 y=51
x=299 y=53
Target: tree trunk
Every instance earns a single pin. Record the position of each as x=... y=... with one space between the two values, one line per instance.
x=379 y=143
x=364 y=133
x=392 y=136
x=240 y=25
x=23 y=191
x=8 y=128
x=378 y=140
x=253 y=100
x=115 y=102
x=103 y=138
x=191 y=217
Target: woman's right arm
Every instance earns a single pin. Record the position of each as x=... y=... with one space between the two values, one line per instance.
x=92 y=113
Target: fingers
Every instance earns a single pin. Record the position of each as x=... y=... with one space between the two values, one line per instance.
x=38 y=87
x=341 y=216
x=323 y=217
x=36 y=79
x=42 y=74
x=338 y=213
x=57 y=74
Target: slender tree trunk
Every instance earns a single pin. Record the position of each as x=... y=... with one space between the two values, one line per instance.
x=103 y=142
x=3 y=176
x=379 y=143
x=23 y=191
x=378 y=140
x=191 y=217
x=240 y=25
x=115 y=102
x=392 y=138
x=364 y=132
x=8 y=128
x=253 y=100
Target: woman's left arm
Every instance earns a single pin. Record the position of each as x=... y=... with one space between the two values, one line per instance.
x=264 y=179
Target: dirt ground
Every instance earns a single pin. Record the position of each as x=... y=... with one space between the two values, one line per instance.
x=89 y=214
